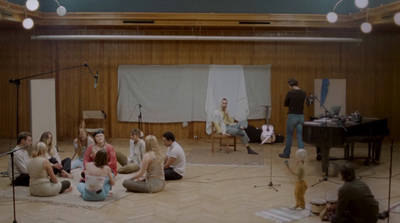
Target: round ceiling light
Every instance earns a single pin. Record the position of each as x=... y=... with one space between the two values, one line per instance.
x=332 y=17
x=27 y=23
x=366 y=27
x=61 y=10
x=32 y=5
x=361 y=3
x=396 y=18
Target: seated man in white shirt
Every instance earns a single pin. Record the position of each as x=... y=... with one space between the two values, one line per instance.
x=21 y=158
x=224 y=124
x=133 y=162
x=175 y=160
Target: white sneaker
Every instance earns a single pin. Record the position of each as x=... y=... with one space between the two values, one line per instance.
x=299 y=209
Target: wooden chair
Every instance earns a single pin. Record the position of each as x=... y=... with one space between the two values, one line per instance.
x=95 y=120
x=224 y=141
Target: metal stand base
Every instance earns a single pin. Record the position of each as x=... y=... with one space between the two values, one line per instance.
x=324 y=178
x=270 y=184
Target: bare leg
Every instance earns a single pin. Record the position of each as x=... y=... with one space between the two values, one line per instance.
x=66 y=175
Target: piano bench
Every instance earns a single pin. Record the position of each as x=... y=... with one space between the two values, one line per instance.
x=374 y=148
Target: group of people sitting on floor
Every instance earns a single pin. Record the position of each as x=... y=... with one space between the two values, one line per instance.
x=39 y=165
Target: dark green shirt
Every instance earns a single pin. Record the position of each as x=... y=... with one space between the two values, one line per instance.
x=356 y=201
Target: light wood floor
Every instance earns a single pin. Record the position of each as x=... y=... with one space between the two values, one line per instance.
x=214 y=193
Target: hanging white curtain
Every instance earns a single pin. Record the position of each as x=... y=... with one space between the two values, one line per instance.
x=182 y=93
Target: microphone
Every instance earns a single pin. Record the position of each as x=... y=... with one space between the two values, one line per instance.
x=96 y=77
x=310 y=99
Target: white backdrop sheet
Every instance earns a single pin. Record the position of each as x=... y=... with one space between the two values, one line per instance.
x=178 y=93
x=226 y=82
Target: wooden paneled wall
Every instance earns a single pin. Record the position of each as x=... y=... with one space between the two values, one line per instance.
x=372 y=71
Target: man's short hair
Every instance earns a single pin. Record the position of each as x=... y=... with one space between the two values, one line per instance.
x=23 y=135
x=169 y=136
x=293 y=82
x=135 y=132
x=347 y=172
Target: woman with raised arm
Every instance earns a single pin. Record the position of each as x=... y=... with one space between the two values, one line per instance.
x=80 y=145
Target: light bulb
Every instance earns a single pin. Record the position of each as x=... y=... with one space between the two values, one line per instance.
x=27 y=23
x=332 y=17
x=32 y=5
x=61 y=11
x=396 y=18
x=366 y=27
x=361 y=3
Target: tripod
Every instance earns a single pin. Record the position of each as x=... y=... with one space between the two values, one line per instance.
x=270 y=184
x=324 y=178
x=12 y=177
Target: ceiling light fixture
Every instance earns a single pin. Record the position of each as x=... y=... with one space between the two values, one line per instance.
x=366 y=27
x=361 y=3
x=61 y=10
x=28 y=23
x=32 y=5
x=195 y=38
x=396 y=18
x=332 y=17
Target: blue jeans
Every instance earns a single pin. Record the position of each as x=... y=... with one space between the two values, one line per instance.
x=77 y=163
x=236 y=130
x=294 y=121
x=92 y=195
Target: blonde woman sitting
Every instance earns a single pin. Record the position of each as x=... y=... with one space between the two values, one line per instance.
x=43 y=182
x=60 y=167
x=150 y=177
x=98 y=178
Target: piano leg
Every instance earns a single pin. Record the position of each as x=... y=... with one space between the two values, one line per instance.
x=323 y=153
x=377 y=146
x=318 y=153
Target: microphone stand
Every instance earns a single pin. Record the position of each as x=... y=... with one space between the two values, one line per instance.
x=328 y=114
x=270 y=184
x=386 y=213
x=12 y=177
x=140 y=119
x=17 y=82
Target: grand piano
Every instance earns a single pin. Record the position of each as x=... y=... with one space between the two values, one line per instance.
x=325 y=135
